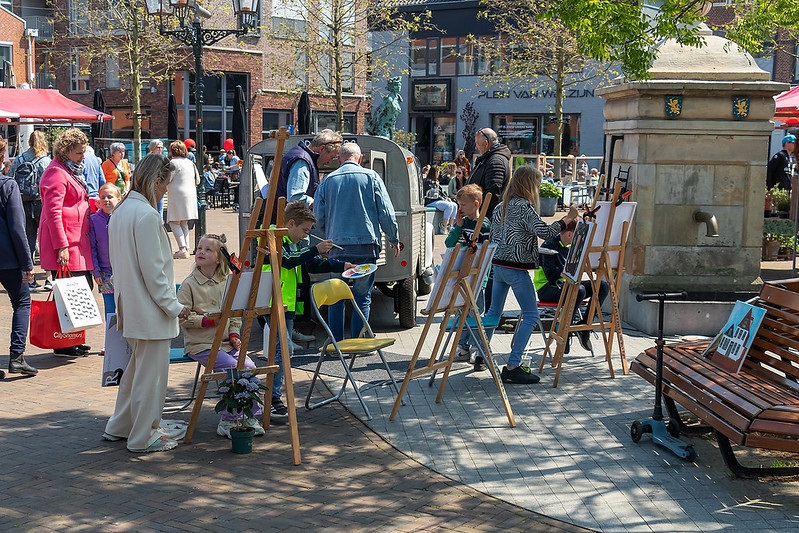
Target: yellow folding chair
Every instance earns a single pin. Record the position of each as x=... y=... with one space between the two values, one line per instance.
x=327 y=293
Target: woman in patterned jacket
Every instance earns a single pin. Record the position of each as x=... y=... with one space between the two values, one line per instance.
x=515 y=228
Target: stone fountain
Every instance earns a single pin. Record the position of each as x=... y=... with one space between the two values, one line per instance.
x=695 y=139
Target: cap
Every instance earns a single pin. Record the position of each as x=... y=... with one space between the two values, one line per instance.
x=790 y=138
x=189 y=143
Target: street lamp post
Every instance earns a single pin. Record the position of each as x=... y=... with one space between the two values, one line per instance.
x=190 y=32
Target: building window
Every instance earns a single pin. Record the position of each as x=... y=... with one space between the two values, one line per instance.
x=78 y=17
x=78 y=71
x=272 y=120
x=112 y=72
x=6 y=54
x=328 y=120
x=8 y=4
x=301 y=71
x=348 y=72
x=287 y=20
x=446 y=56
x=535 y=134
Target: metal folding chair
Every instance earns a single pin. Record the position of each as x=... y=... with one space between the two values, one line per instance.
x=327 y=293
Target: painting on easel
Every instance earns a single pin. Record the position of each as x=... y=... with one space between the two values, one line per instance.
x=624 y=212
x=578 y=250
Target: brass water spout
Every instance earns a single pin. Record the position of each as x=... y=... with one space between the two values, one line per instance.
x=710 y=221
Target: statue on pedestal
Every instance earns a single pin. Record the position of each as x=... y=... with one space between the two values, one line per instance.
x=385 y=116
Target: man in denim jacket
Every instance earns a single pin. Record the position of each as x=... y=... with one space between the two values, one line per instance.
x=351 y=206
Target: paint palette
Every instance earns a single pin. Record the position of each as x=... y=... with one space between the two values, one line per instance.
x=359 y=271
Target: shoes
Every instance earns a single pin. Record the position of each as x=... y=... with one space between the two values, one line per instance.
x=17 y=365
x=298 y=336
x=295 y=347
x=464 y=352
x=521 y=375
x=568 y=344
x=223 y=429
x=585 y=340
x=33 y=285
x=279 y=413
x=48 y=285
x=181 y=254
x=72 y=351
x=84 y=347
x=253 y=423
x=112 y=438
x=477 y=360
x=161 y=445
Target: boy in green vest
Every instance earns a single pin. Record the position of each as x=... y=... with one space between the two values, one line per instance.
x=298 y=219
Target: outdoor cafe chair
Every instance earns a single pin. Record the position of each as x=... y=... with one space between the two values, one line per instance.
x=327 y=293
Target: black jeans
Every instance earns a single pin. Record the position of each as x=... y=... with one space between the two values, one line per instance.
x=20 y=297
x=551 y=294
x=33 y=211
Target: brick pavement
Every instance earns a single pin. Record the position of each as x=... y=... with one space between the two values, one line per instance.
x=56 y=474
x=570 y=458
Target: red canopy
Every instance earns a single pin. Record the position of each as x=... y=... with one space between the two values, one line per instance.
x=787 y=103
x=46 y=106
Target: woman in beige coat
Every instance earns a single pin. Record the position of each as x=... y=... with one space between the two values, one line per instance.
x=147 y=308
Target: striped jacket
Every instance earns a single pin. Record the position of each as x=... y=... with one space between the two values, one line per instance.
x=517 y=234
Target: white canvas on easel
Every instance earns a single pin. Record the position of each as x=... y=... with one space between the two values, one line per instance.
x=624 y=213
x=448 y=288
x=264 y=298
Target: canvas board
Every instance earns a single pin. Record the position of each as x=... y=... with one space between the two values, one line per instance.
x=583 y=234
x=624 y=213
x=264 y=298
x=728 y=350
x=448 y=289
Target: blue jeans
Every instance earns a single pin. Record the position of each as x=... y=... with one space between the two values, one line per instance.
x=466 y=335
x=277 y=384
x=522 y=285
x=362 y=292
x=20 y=297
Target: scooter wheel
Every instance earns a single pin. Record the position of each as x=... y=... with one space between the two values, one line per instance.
x=673 y=428
x=636 y=431
x=691 y=457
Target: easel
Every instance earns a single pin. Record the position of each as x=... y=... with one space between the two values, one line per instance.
x=273 y=240
x=460 y=303
x=562 y=322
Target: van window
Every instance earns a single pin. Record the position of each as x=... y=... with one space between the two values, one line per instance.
x=379 y=166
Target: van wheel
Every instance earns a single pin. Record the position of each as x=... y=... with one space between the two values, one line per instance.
x=423 y=288
x=405 y=301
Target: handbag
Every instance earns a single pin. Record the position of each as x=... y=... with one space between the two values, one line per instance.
x=77 y=308
x=45 y=329
x=117 y=353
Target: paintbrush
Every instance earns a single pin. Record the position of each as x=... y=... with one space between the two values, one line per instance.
x=321 y=239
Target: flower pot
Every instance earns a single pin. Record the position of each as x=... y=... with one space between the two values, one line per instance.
x=771 y=249
x=241 y=440
x=548 y=206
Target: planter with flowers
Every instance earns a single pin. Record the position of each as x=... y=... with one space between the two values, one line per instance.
x=549 y=193
x=239 y=393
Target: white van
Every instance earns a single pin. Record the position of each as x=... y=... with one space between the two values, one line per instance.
x=402 y=277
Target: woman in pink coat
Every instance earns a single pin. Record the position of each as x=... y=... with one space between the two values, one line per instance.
x=64 y=223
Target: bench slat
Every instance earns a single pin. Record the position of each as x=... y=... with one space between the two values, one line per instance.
x=771 y=443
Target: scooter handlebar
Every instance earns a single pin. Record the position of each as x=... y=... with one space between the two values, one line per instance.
x=682 y=295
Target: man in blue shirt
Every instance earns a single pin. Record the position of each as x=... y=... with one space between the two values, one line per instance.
x=92 y=172
x=351 y=207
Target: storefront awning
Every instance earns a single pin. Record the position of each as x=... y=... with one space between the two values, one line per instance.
x=787 y=103
x=45 y=106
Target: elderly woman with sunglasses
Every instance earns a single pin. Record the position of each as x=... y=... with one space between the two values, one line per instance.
x=147 y=309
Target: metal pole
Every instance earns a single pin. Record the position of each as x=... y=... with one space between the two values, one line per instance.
x=199 y=87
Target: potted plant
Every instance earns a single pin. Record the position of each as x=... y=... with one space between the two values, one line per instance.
x=775 y=232
x=780 y=199
x=549 y=194
x=239 y=393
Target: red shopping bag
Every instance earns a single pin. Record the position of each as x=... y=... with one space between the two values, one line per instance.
x=45 y=330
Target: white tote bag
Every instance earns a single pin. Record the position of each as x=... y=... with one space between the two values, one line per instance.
x=75 y=304
x=117 y=353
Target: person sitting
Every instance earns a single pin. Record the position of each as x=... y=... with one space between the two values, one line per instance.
x=202 y=292
x=549 y=281
x=435 y=196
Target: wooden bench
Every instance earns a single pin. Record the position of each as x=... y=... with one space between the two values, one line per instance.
x=757 y=407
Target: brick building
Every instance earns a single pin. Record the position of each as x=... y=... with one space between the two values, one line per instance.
x=17 y=48
x=245 y=60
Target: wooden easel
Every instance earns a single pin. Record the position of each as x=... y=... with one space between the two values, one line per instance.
x=269 y=242
x=456 y=306
x=562 y=322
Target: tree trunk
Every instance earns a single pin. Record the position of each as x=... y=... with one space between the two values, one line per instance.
x=560 y=95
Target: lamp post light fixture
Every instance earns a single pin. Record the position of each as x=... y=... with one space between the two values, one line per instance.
x=190 y=32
